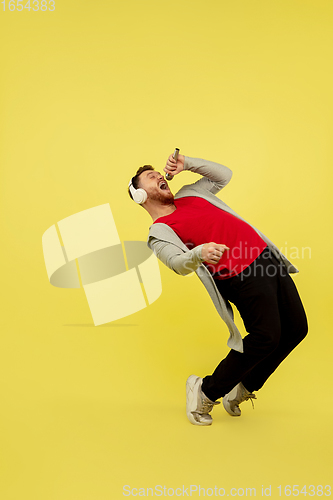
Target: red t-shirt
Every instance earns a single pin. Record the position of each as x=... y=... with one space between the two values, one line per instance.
x=198 y=221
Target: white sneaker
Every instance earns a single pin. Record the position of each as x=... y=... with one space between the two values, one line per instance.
x=235 y=397
x=198 y=405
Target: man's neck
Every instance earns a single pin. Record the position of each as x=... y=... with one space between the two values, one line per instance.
x=161 y=211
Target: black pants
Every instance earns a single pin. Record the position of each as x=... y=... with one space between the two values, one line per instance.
x=273 y=315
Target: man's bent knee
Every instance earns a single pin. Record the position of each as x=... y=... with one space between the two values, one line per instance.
x=263 y=344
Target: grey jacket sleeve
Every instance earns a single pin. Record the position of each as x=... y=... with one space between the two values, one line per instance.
x=180 y=262
x=215 y=176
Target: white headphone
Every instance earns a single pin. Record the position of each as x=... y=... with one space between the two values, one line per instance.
x=139 y=195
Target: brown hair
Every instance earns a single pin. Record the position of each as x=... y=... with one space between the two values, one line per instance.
x=135 y=179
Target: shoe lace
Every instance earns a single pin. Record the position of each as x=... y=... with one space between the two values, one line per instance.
x=250 y=396
x=208 y=405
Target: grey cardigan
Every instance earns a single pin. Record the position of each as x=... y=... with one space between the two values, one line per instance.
x=171 y=250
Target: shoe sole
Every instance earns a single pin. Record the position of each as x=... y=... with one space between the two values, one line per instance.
x=189 y=402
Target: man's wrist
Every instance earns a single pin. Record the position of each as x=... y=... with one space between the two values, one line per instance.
x=186 y=163
x=198 y=251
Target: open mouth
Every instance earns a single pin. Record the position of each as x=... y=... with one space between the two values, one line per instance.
x=163 y=185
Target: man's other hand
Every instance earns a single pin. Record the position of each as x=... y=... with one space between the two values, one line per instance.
x=212 y=252
x=172 y=166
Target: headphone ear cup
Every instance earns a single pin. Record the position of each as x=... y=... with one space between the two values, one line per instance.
x=140 y=196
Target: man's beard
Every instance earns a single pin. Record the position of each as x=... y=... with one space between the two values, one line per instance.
x=162 y=198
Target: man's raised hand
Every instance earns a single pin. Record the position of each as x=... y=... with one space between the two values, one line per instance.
x=212 y=252
x=172 y=166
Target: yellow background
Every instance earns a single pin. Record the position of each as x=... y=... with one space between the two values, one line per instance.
x=89 y=93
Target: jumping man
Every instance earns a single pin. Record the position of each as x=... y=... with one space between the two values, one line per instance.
x=195 y=231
